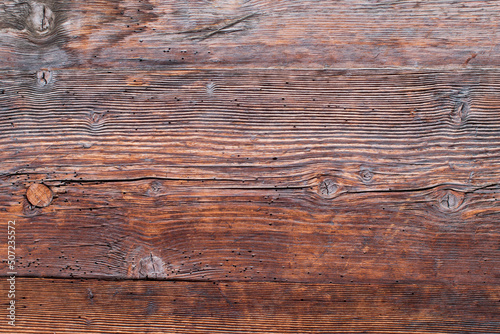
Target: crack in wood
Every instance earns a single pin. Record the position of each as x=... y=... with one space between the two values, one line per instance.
x=449 y=201
x=42 y=17
x=219 y=28
x=328 y=188
x=44 y=77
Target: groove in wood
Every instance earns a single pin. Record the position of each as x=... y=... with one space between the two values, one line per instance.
x=86 y=306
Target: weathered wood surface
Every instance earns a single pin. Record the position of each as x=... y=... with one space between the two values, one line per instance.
x=196 y=231
x=251 y=166
x=91 y=306
x=301 y=176
x=251 y=34
x=383 y=130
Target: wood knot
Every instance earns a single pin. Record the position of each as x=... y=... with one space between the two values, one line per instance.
x=43 y=77
x=366 y=175
x=461 y=107
x=39 y=195
x=450 y=200
x=150 y=267
x=460 y=112
x=210 y=88
x=90 y=295
x=155 y=188
x=41 y=18
x=328 y=188
x=96 y=119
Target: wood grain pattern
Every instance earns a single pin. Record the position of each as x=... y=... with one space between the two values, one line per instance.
x=302 y=176
x=251 y=34
x=251 y=166
x=383 y=130
x=205 y=231
x=91 y=306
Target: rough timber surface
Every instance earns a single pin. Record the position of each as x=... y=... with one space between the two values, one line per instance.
x=50 y=306
x=251 y=166
x=302 y=176
x=248 y=33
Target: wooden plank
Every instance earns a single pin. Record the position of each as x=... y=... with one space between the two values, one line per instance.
x=196 y=231
x=303 y=176
x=373 y=130
x=91 y=306
x=251 y=34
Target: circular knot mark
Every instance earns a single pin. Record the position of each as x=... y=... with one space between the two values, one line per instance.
x=43 y=77
x=366 y=175
x=327 y=188
x=450 y=201
x=41 y=18
x=155 y=188
x=39 y=195
x=96 y=118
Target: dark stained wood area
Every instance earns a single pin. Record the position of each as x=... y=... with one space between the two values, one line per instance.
x=251 y=166
x=92 y=306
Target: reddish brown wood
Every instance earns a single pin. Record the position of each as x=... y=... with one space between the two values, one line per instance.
x=39 y=195
x=302 y=176
x=251 y=166
x=89 y=306
x=209 y=231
